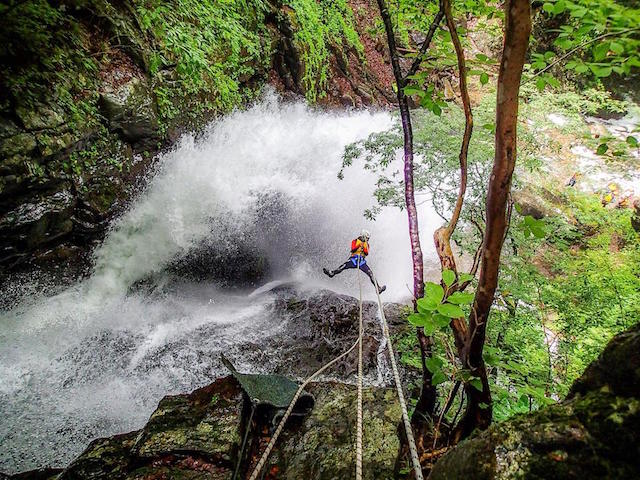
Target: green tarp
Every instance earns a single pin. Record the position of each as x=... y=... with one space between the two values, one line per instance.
x=271 y=390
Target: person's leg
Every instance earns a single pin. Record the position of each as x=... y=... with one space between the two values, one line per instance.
x=340 y=269
x=365 y=268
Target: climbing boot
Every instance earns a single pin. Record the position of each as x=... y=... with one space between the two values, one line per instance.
x=382 y=288
x=328 y=273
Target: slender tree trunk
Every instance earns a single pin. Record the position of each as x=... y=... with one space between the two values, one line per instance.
x=427 y=401
x=516 y=42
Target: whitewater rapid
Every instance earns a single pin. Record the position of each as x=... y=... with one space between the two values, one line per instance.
x=95 y=359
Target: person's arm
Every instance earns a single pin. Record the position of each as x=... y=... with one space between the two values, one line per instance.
x=354 y=245
x=365 y=248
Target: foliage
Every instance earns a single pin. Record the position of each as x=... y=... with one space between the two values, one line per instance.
x=321 y=24
x=595 y=37
x=564 y=290
x=436 y=168
x=207 y=47
x=45 y=53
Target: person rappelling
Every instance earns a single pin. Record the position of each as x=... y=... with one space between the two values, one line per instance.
x=359 y=250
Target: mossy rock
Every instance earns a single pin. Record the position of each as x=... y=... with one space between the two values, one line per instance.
x=594 y=434
x=131 y=110
x=105 y=458
x=322 y=447
x=207 y=422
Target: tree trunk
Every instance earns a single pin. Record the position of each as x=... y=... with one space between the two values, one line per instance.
x=427 y=401
x=516 y=41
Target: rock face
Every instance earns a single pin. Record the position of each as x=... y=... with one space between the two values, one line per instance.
x=198 y=436
x=319 y=325
x=322 y=446
x=593 y=434
x=74 y=141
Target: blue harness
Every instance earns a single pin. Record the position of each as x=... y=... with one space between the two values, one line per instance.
x=354 y=260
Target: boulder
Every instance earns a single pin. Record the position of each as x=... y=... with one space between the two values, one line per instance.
x=319 y=325
x=538 y=204
x=593 y=434
x=39 y=221
x=207 y=422
x=194 y=435
x=130 y=109
x=322 y=446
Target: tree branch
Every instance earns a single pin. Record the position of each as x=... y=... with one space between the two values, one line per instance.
x=468 y=116
x=579 y=47
x=427 y=41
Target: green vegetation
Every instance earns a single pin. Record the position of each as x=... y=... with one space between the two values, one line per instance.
x=569 y=282
x=47 y=55
x=322 y=24
x=202 y=51
x=595 y=37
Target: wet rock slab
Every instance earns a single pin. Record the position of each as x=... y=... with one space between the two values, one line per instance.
x=322 y=447
x=198 y=436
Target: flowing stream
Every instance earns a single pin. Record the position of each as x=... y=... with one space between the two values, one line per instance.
x=94 y=359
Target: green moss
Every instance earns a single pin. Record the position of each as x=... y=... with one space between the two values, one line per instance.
x=203 y=50
x=321 y=24
x=46 y=53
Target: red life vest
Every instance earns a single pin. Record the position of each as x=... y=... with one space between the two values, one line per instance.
x=359 y=247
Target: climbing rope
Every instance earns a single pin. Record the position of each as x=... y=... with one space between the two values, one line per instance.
x=359 y=422
x=417 y=468
x=265 y=455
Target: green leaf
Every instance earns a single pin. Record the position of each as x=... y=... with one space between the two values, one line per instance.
x=440 y=321
x=541 y=83
x=425 y=305
x=600 y=51
x=490 y=126
x=448 y=277
x=602 y=72
x=582 y=68
x=414 y=91
x=464 y=277
x=632 y=141
x=548 y=7
x=616 y=47
x=438 y=378
x=436 y=109
x=559 y=7
x=484 y=78
x=434 y=364
x=476 y=383
x=490 y=358
x=419 y=319
x=460 y=298
x=433 y=292
x=602 y=149
x=450 y=310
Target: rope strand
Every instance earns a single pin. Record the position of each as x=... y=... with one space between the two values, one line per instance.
x=417 y=468
x=359 y=422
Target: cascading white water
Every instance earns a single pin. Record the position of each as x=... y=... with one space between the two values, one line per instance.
x=95 y=359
